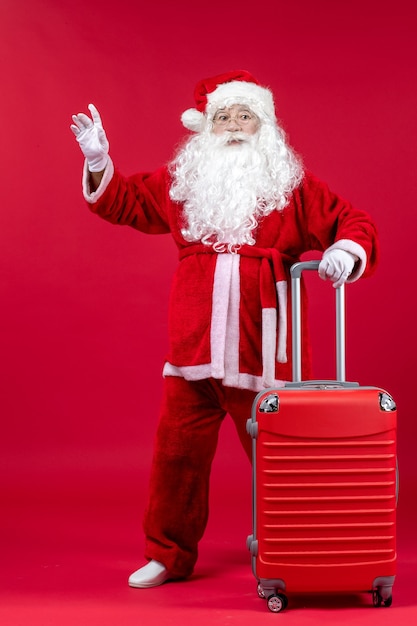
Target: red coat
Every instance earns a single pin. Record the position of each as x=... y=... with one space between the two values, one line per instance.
x=228 y=312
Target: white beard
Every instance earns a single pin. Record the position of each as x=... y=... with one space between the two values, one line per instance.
x=226 y=187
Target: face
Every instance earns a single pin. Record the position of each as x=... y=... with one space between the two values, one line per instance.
x=237 y=118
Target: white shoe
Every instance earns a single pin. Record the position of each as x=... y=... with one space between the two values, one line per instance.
x=150 y=575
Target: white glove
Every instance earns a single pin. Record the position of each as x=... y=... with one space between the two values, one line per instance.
x=336 y=265
x=92 y=139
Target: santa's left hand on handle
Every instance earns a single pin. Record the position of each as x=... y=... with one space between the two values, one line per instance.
x=336 y=265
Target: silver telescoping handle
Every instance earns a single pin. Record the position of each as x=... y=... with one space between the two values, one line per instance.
x=296 y=271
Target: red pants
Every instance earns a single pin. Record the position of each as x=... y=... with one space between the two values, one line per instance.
x=186 y=441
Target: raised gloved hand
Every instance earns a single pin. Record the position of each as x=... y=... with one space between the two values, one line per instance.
x=92 y=139
x=336 y=265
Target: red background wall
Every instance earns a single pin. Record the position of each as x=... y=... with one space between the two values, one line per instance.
x=83 y=303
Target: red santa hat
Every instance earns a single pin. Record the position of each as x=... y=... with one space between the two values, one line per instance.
x=224 y=90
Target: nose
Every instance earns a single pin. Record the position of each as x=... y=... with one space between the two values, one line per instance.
x=233 y=124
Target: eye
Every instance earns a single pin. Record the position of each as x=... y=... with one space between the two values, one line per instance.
x=245 y=117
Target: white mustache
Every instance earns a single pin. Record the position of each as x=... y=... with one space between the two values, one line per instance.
x=229 y=137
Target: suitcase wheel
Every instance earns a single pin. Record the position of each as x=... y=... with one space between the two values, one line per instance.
x=261 y=592
x=277 y=602
x=378 y=600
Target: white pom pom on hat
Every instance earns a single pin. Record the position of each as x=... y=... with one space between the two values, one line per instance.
x=193 y=120
x=223 y=90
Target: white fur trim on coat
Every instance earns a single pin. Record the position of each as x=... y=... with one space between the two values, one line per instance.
x=93 y=196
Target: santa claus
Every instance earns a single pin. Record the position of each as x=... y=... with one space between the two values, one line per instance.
x=241 y=209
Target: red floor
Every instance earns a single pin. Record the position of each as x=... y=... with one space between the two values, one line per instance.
x=69 y=545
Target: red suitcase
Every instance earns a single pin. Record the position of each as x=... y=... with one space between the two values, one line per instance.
x=325 y=481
